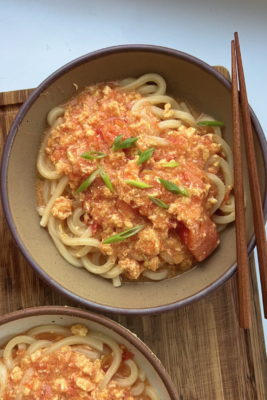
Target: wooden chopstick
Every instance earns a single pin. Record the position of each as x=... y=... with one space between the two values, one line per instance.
x=241 y=240
x=253 y=179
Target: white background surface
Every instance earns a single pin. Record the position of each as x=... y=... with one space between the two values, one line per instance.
x=38 y=37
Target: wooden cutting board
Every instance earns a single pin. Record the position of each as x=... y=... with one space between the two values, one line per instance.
x=202 y=347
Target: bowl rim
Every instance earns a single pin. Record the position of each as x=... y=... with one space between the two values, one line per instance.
x=108 y=323
x=8 y=146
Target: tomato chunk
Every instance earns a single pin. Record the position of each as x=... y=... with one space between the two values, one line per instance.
x=201 y=239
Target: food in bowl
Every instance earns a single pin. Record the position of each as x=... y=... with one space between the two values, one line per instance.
x=53 y=361
x=135 y=183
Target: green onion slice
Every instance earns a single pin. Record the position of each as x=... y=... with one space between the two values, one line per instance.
x=210 y=123
x=138 y=184
x=158 y=202
x=138 y=150
x=105 y=178
x=125 y=144
x=144 y=257
x=87 y=182
x=171 y=187
x=89 y=155
x=123 y=235
x=171 y=164
x=145 y=155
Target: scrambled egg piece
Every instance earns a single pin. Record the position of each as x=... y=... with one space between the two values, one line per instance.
x=62 y=208
x=79 y=329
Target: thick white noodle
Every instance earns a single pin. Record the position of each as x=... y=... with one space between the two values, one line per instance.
x=156 y=276
x=221 y=227
x=205 y=117
x=169 y=124
x=227 y=172
x=75 y=229
x=29 y=373
x=58 y=192
x=131 y=379
x=127 y=81
x=9 y=363
x=185 y=108
x=228 y=207
x=226 y=149
x=117 y=356
x=158 y=99
x=77 y=213
x=54 y=114
x=185 y=117
x=116 y=281
x=3 y=379
x=53 y=231
x=224 y=219
x=79 y=241
x=78 y=251
x=41 y=164
x=54 y=183
x=138 y=389
x=90 y=354
x=88 y=340
x=221 y=191
x=116 y=271
x=58 y=329
x=152 y=393
x=97 y=269
x=141 y=375
x=39 y=344
x=147 y=78
x=147 y=89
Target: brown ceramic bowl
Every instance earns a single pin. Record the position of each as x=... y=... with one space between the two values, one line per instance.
x=187 y=78
x=20 y=321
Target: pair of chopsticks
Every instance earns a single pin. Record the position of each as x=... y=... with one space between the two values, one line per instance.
x=241 y=242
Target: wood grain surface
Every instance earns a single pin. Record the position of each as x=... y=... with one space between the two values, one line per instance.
x=202 y=347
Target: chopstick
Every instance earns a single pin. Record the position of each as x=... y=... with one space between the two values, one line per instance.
x=253 y=180
x=241 y=240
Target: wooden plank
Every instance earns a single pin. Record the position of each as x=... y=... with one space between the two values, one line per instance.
x=202 y=347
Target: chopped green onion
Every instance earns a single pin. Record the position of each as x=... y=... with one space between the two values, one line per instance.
x=138 y=150
x=123 y=235
x=171 y=164
x=144 y=257
x=171 y=187
x=105 y=178
x=145 y=155
x=210 y=123
x=117 y=141
x=88 y=155
x=138 y=184
x=87 y=182
x=125 y=144
x=158 y=202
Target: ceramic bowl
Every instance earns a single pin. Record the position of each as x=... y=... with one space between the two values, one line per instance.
x=20 y=321
x=187 y=78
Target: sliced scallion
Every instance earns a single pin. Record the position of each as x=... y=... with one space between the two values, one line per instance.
x=87 y=182
x=139 y=184
x=105 y=178
x=158 y=202
x=89 y=155
x=210 y=123
x=171 y=164
x=126 y=144
x=123 y=235
x=171 y=187
x=146 y=155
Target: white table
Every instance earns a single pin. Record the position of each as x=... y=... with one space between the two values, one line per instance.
x=38 y=37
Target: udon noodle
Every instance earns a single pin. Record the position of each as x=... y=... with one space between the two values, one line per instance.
x=51 y=361
x=132 y=184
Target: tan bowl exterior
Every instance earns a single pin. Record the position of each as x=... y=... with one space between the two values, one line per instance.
x=20 y=321
x=187 y=78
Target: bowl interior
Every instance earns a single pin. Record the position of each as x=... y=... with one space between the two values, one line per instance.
x=20 y=325
x=185 y=79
